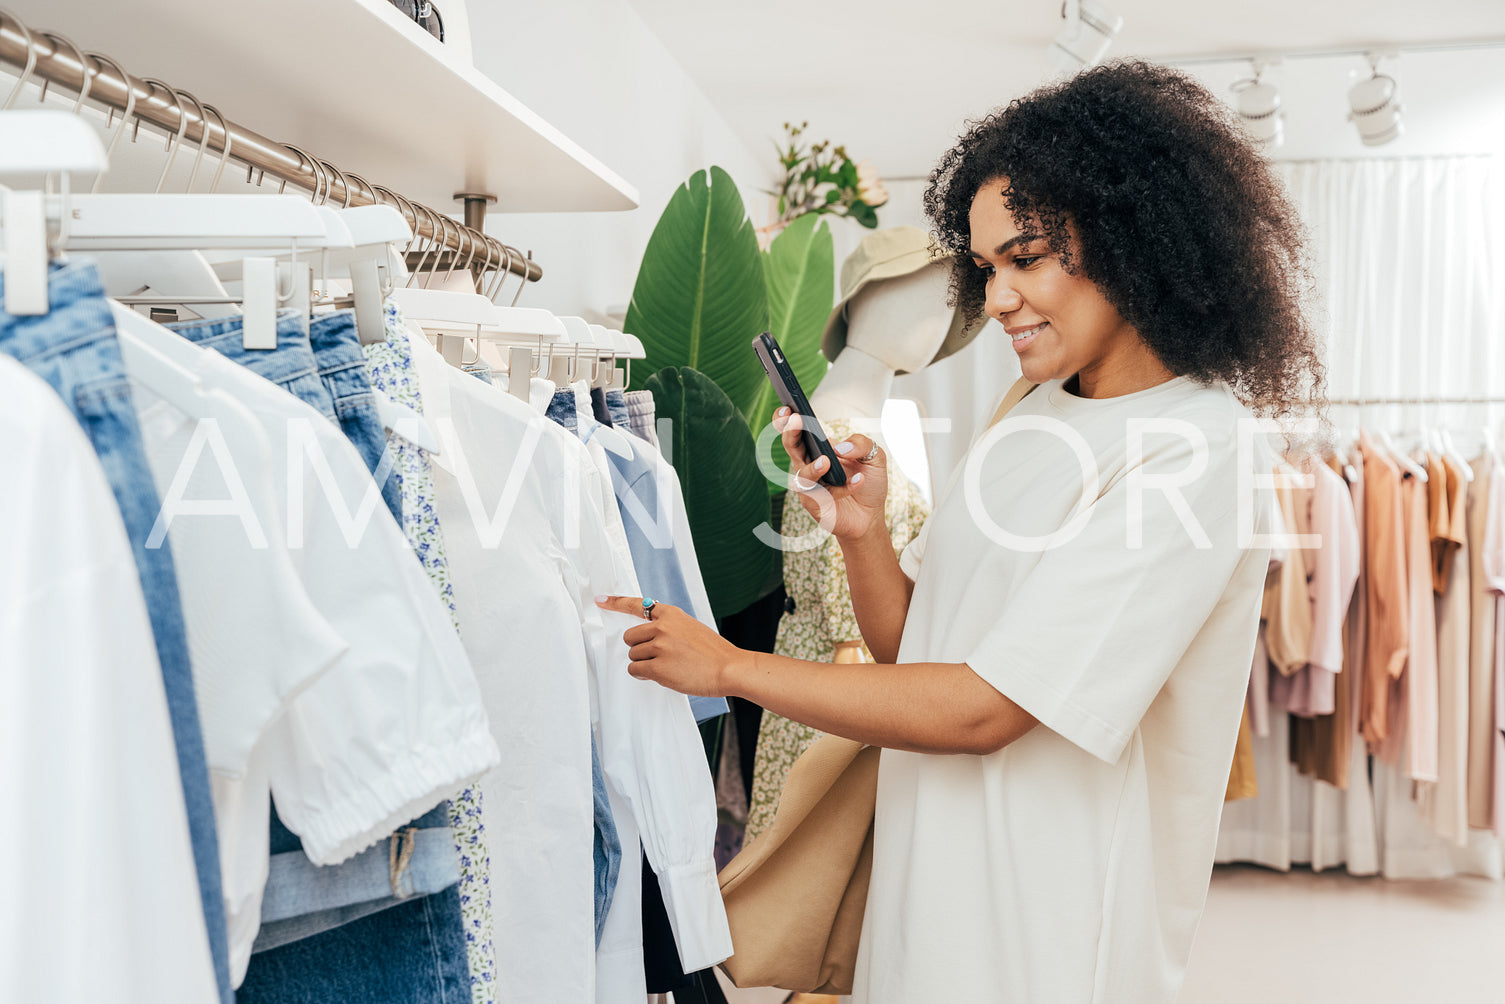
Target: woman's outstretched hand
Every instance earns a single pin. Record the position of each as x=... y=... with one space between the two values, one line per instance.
x=675 y=650
x=851 y=510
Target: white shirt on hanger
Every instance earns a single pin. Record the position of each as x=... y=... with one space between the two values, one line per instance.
x=333 y=658
x=102 y=902
x=523 y=512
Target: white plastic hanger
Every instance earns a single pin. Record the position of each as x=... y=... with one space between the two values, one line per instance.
x=605 y=339
x=1450 y=451
x=39 y=142
x=1402 y=460
x=166 y=364
x=524 y=331
x=582 y=341
x=450 y=315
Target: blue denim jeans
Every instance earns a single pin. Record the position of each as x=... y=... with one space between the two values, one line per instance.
x=561 y=410
x=73 y=347
x=413 y=953
x=290 y=365
x=616 y=406
x=303 y=899
x=342 y=367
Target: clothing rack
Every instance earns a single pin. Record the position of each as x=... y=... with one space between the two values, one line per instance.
x=1364 y=402
x=96 y=77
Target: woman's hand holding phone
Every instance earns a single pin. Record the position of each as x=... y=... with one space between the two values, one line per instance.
x=851 y=510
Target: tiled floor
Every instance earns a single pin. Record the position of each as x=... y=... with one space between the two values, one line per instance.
x=1304 y=938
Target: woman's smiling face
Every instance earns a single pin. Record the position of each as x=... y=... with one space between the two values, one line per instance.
x=1060 y=322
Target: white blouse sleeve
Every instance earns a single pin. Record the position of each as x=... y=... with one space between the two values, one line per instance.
x=652 y=753
x=397 y=725
x=1093 y=632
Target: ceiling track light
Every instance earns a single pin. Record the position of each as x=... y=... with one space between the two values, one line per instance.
x=1374 y=105
x=1259 y=107
x=1088 y=32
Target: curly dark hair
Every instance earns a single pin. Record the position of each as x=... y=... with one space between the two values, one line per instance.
x=1179 y=221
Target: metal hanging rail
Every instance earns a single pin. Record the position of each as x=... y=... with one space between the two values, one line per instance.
x=56 y=60
x=1364 y=402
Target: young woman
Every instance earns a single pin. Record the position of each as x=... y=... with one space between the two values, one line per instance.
x=1063 y=651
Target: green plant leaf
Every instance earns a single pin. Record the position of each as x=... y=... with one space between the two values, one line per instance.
x=864 y=214
x=712 y=451
x=800 y=267
x=700 y=298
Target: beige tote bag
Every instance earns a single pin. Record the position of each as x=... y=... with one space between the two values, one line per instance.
x=795 y=896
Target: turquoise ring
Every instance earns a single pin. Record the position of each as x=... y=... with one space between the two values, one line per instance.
x=648 y=604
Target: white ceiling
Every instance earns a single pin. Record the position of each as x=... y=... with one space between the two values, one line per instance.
x=895 y=80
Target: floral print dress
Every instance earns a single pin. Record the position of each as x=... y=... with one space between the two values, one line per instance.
x=817 y=618
x=390 y=365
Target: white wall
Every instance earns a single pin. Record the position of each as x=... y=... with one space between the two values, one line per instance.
x=593 y=69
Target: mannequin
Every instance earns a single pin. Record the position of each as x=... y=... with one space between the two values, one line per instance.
x=893 y=325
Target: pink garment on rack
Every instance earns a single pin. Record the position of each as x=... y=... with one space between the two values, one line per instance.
x=1325 y=509
x=1258 y=700
x=1494 y=575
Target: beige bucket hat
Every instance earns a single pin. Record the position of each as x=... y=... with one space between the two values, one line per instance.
x=888 y=254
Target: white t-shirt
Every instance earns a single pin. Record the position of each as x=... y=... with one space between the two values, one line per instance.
x=101 y=901
x=1072 y=865
x=326 y=669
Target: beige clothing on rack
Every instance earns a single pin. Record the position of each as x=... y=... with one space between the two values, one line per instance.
x=1287 y=608
x=1481 y=689
x=1494 y=576
x=1242 y=782
x=1411 y=742
x=1444 y=805
x=1387 y=624
x=1445 y=519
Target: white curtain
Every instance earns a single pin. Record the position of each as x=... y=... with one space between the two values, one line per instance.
x=1410 y=270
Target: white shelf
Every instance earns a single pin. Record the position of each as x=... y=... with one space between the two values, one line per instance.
x=351 y=81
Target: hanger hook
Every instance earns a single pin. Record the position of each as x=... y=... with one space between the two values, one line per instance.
x=175 y=138
x=454 y=250
x=463 y=241
x=366 y=185
x=509 y=254
x=31 y=65
x=345 y=184
x=125 y=116
x=431 y=240
x=450 y=228
x=382 y=196
x=513 y=256
x=331 y=173
x=224 y=127
x=324 y=182
x=407 y=209
x=83 y=92
x=313 y=166
x=524 y=281
x=470 y=247
x=198 y=159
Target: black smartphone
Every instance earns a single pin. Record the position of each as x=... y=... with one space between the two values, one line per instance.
x=792 y=396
